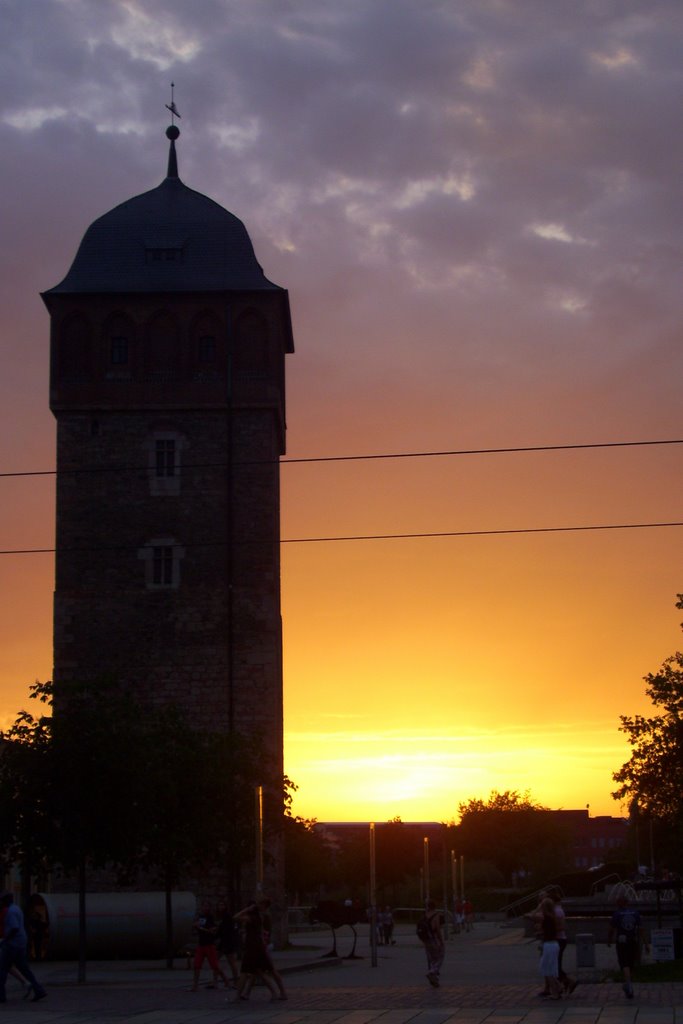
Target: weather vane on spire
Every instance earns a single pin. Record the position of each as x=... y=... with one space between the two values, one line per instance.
x=172 y=107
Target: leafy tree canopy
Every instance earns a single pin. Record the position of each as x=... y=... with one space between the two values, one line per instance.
x=26 y=781
x=513 y=832
x=652 y=778
x=112 y=781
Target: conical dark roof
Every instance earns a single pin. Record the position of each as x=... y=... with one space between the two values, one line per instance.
x=171 y=239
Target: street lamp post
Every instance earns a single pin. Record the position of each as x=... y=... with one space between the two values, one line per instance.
x=425 y=847
x=373 y=898
x=259 y=839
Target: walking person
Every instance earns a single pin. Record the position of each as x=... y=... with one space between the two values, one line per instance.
x=567 y=983
x=207 y=930
x=625 y=927
x=13 y=971
x=13 y=949
x=430 y=933
x=550 y=948
x=264 y=907
x=256 y=960
x=226 y=939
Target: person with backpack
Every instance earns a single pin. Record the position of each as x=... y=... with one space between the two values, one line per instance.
x=430 y=934
x=625 y=926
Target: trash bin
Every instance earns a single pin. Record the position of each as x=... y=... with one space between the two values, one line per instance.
x=585 y=951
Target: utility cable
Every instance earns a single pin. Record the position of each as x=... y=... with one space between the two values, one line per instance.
x=354 y=458
x=379 y=536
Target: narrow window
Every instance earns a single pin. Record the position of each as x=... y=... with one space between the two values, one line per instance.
x=165 y=452
x=162 y=565
x=164 y=461
x=207 y=349
x=161 y=557
x=118 y=350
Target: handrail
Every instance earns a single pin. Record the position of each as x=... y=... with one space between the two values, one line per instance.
x=514 y=908
x=605 y=878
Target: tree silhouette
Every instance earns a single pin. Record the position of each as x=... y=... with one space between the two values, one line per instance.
x=652 y=779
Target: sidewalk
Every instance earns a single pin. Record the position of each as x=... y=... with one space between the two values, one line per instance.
x=490 y=975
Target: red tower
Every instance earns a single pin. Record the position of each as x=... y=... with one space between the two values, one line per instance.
x=168 y=348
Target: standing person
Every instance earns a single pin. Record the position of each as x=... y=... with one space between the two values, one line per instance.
x=226 y=939
x=256 y=961
x=625 y=925
x=388 y=927
x=429 y=932
x=550 y=948
x=13 y=949
x=567 y=983
x=207 y=929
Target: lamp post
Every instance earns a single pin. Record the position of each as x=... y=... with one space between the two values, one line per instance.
x=373 y=897
x=425 y=850
x=259 y=839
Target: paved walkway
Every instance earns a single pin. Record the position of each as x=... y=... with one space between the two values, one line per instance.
x=490 y=975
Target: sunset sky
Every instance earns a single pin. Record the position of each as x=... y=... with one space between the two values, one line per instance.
x=477 y=208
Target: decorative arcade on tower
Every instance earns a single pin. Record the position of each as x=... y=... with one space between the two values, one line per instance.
x=167 y=383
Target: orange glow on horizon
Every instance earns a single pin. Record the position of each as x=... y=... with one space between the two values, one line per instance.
x=481 y=248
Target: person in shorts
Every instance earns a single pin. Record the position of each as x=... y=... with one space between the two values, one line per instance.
x=625 y=927
x=207 y=929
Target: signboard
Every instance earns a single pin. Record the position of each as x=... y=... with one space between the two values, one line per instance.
x=662 y=943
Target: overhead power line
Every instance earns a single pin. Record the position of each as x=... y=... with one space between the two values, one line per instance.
x=481 y=533
x=485 y=451
x=379 y=536
x=356 y=458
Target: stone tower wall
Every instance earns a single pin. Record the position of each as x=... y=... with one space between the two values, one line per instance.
x=211 y=642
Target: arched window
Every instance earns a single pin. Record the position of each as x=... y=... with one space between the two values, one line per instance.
x=207 y=347
x=119 y=336
x=250 y=353
x=162 y=356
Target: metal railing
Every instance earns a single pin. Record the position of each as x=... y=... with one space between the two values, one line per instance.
x=531 y=899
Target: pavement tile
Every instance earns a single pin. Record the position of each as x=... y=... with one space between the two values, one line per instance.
x=398 y=1016
x=358 y=1016
x=354 y=992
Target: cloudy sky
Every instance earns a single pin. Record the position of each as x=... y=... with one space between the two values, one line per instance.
x=476 y=208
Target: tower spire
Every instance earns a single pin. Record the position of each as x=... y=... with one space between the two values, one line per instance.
x=172 y=133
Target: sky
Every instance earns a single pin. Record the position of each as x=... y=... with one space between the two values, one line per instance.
x=476 y=208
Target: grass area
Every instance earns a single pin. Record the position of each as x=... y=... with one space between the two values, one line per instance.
x=668 y=970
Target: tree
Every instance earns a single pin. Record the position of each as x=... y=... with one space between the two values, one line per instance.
x=101 y=754
x=308 y=859
x=513 y=832
x=400 y=856
x=652 y=778
x=110 y=782
x=27 y=778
